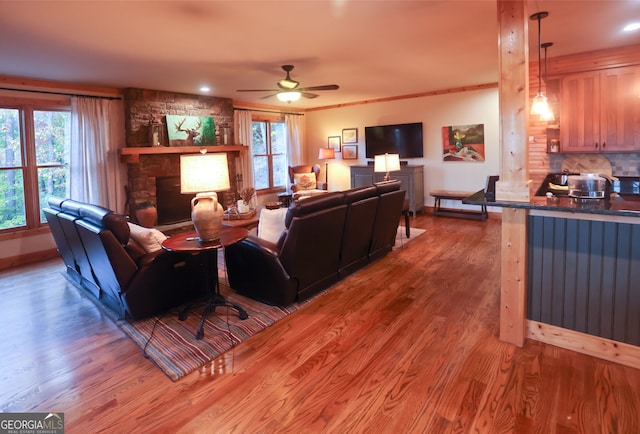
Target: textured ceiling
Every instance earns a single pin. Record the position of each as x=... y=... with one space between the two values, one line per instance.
x=372 y=49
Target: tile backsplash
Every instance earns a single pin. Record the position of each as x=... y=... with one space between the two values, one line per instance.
x=621 y=164
x=624 y=164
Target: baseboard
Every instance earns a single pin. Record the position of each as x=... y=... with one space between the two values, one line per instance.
x=28 y=258
x=428 y=210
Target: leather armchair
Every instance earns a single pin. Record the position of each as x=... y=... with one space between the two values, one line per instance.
x=293 y=170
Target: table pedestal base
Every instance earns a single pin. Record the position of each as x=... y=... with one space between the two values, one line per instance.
x=218 y=300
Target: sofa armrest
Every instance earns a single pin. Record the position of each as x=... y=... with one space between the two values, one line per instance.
x=255 y=270
x=150 y=257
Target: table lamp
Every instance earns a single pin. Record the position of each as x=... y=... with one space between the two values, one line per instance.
x=204 y=174
x=326 y=154
x=386 y=163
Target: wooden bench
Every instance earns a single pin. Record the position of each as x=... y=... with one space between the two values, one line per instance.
x=438 y=210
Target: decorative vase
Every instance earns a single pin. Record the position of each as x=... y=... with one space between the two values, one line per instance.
x=147 y=215
x=207 y=215
x=243 y=207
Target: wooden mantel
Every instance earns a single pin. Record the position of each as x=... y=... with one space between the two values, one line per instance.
x=132 y=155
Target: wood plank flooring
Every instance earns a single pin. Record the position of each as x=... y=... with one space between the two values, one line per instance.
x=407 y=345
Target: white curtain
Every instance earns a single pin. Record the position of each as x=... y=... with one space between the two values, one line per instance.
x=295 y=133
x=242 y=123
x=97 y=131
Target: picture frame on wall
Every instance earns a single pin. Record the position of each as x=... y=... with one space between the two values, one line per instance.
x=349 y=152
x=191 y=130
x=349 y=135
x=334 y=142
x=463 y=143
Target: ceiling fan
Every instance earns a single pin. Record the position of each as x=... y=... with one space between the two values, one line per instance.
x=288 y=89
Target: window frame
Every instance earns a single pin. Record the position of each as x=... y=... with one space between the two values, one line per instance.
x=29 y=163
x=268 y=120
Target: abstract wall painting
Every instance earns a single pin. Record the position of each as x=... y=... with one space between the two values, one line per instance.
x=463 y=143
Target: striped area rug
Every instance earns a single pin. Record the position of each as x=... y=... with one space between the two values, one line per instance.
x=171 y=343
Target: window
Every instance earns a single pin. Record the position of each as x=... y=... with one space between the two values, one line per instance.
x=34 y=162
x=269 y=153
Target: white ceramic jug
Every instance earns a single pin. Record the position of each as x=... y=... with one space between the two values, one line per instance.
x=207 y=215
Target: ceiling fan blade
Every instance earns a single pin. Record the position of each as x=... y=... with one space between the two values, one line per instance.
x=257 y=90
x=309 y=95
x=323 y=87
x=268 y=96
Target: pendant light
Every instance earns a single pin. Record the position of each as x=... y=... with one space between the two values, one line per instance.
x=540 y=105
x=548 y=115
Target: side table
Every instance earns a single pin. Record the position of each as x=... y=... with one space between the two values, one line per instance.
x=286 y=198
x=187 y=242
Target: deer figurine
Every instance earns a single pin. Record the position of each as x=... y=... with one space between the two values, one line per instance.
x=191 y=134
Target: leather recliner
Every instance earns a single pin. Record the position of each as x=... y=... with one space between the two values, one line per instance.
x=130 y=281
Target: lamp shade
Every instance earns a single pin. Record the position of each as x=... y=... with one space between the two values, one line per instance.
x=326 y=154
x=386 y=163
x=208 y=172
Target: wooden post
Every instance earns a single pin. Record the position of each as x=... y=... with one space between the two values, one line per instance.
x=514 y=181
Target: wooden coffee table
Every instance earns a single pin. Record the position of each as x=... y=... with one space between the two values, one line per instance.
x=248 y=223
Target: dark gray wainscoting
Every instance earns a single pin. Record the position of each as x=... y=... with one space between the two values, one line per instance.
x=585 y=276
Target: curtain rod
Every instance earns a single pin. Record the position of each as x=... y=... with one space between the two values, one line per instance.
x=60 y=93
x=268 y=111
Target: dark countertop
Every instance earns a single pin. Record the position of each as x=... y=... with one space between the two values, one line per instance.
x=618 y=205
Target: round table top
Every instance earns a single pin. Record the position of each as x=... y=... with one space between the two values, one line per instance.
x=188 y=241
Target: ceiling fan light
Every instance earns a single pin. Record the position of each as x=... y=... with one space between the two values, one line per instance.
x=287 y=83
x=289 y=96
x=540 y=105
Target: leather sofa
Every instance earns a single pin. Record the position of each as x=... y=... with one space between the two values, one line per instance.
x=326 y=238
x=99 y=254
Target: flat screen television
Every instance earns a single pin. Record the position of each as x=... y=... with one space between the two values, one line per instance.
x=403 y=139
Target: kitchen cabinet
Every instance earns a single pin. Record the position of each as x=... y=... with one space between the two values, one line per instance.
x=411 y=181
x=600 y=111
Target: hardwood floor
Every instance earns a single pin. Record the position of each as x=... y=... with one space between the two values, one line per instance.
x=408 y=344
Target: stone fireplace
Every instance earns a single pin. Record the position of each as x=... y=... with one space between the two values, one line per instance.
x=155 y=178
x=154 y=170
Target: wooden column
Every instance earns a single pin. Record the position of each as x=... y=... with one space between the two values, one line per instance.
x=513 y=56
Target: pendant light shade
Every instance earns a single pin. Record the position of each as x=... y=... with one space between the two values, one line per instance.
x=540 y=106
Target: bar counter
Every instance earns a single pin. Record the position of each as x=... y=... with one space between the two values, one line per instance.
x=583 y=273
x=620 y=205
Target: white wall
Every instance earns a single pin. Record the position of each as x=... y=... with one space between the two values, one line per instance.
x=25 y=245
x=435 y=112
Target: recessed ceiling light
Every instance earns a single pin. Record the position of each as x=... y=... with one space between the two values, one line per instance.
x=205 y=89
x=631 y=27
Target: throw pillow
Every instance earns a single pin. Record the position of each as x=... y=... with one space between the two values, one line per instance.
x=305 y=181
x=149 y=238
x=271 y=224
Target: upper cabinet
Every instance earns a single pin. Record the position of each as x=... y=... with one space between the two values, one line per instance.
x=600 y=111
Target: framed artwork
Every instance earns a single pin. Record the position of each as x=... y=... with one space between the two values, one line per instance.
x=334 y=142
x=463 y=143
x=349 y=135
x=349 y=152
x=191 y=131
